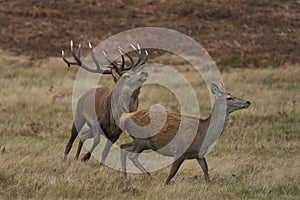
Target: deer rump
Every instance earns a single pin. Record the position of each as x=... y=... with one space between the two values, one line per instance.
x=172 y=136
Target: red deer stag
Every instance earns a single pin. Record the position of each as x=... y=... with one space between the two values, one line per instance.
x=85 y=112
x=164 y=142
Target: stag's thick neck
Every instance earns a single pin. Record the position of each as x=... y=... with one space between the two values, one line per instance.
x=125 y=103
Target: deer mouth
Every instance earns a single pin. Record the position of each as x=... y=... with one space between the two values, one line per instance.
x=247 y=105
x=143 y=79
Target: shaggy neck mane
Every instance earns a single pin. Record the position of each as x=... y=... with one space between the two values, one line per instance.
x=124 y=102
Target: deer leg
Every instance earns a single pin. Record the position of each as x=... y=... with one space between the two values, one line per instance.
x=84 y=136
x=125 y=148
x=202 y=162
x=133 y=156
x=175 y=166
x=96 y=133
x=74 y=134
x=80 y=144
x=107 y=147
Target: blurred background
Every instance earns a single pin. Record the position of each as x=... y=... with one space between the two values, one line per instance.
x=239 y=33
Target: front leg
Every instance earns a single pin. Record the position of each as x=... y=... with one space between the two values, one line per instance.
x=106 y=149
x=125 y=148
x=133 y=156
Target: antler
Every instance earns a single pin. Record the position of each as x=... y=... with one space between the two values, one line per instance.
x=79 y=63
x=140 y=61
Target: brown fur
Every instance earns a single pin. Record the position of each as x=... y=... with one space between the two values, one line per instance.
x=94 y=107
x=85 y=113
x=180 y=145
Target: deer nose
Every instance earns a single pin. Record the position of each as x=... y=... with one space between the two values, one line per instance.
x=248 y=102
x=145 y=74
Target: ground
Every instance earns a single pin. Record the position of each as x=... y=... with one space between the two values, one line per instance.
x=257 y=157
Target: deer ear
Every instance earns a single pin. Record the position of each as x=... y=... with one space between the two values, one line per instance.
x=221 y=86
x=215 y=90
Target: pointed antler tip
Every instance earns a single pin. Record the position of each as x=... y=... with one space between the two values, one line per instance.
x=90 y=45
x=62 y=52
x=71 y=43
x=133 y=46
x=121 y=52
x=146 y=52
x=79 y=45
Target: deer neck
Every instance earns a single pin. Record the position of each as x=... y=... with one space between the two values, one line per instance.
x=124 y=103
x=133 y=102
x=214 y=125
x=219 y=115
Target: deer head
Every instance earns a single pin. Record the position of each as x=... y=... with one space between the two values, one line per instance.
x=233 y=103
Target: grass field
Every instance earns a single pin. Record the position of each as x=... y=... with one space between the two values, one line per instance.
x=258 y=157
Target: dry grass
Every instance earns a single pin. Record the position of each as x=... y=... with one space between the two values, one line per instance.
x=258 y=156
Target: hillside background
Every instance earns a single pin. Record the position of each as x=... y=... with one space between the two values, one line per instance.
x=235 y=32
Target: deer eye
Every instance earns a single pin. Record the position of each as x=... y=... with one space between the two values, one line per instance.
x=229 y=98
x=125 y=76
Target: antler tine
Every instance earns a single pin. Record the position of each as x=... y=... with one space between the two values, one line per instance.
x=69 y=63
x=138 y=54
x=123 y=59
x=74 y=54
x=94 y=57
x=146 y=57
x=142 y=59
x=78 y=50
x=79 y=63
x=134 y=48
x=139 y=48
x=128 y=56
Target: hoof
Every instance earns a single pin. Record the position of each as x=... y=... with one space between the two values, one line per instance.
x=86 y=157
x=65 y=158
x=124 y=176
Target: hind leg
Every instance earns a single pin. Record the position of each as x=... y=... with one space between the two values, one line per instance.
x=202 y=162
x=84 y=136
x=74 y=133
x=175 y=166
